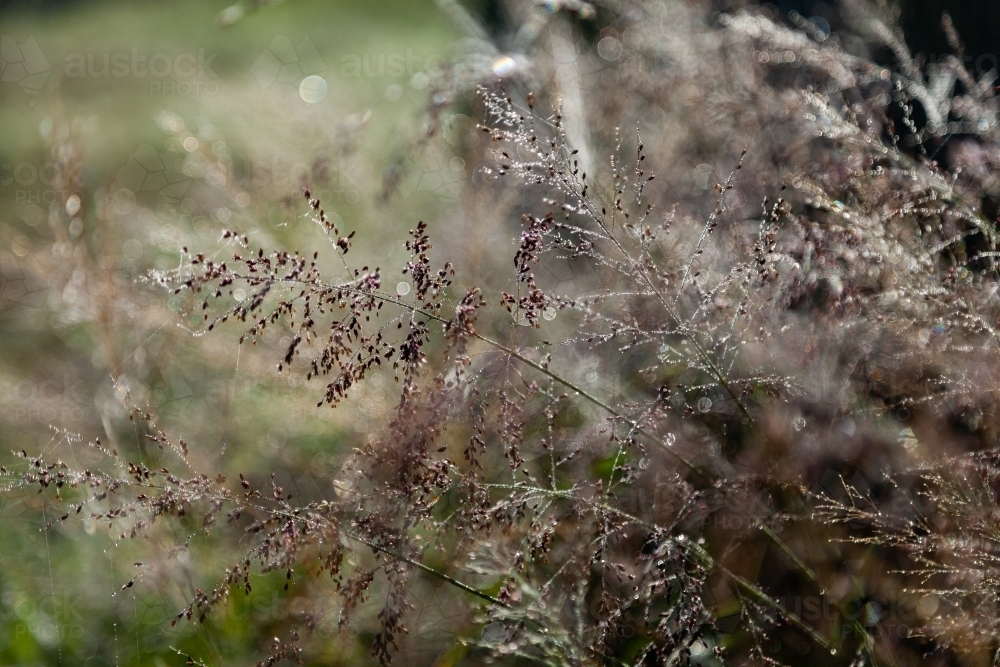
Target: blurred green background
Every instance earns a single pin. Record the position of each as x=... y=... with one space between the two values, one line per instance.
x=129 y=130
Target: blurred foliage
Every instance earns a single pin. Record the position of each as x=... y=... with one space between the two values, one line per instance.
x=57 y=591
x=108 y=170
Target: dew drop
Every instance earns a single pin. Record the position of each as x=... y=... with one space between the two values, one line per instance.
x=504 y=66
x=73 y=204
x=907 y=438
x=276 y=437
x=494 y=633
x=419 y=81
x=393 y=92
x=312 y=89
x=231 y=14
x=609 y=48
x=403 y=288
x=799 y=423
x=123 y=202
x=704 y=404
x=132 y=250
x=927 y=605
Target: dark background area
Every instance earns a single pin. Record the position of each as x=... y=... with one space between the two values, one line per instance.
x=977 y=22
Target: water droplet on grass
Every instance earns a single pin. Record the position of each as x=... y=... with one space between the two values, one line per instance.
x=609 y=48
x=313 y=89
x=504 y=66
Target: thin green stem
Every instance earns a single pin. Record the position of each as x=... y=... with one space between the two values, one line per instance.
x=431 y=571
